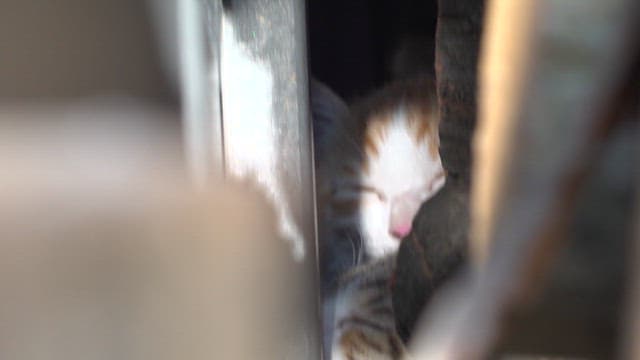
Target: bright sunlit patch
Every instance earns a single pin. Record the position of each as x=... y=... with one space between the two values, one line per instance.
x=249 y=134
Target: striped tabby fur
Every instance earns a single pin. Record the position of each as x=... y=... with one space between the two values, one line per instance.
x=364 y=326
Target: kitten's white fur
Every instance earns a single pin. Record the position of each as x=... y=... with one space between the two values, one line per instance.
x=402 y=166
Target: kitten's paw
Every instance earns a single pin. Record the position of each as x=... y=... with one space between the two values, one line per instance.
x=356 y=344
x=364 y=325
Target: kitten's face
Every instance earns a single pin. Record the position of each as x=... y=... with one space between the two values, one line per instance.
x=403 y=170
x=381 y=164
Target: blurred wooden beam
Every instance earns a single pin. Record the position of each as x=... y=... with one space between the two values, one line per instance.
x=550 y=72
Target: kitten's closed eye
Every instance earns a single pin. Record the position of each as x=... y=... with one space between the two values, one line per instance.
x=372 y=190
x=357 y=190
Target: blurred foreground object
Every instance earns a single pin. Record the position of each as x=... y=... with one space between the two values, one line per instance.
x=552 y=190
x=70 y=49
x=632 y=338
x=107 y=253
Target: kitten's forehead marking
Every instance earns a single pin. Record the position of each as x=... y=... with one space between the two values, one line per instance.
x=375 y=131
x=424 y=124
x=401 y=161
x=419 y=120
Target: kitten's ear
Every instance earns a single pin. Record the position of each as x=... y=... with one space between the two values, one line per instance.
x=328 y=111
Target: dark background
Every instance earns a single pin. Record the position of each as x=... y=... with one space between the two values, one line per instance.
x=351 y=42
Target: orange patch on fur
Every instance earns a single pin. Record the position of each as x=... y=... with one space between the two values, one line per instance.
x=371 y=145
x=355 y=342
x=424 y=123
x=348 y=169
x=374 y=134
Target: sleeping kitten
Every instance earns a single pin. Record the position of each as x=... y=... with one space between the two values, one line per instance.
x=379 y=165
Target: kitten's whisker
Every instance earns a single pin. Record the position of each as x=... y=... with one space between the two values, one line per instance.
x=360 y=250
x=354 y=257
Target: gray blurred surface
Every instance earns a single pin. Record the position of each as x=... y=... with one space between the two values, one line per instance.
x=71 y=48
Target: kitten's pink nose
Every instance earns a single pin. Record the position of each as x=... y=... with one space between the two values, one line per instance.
x=403 y=209
x=401 y=230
